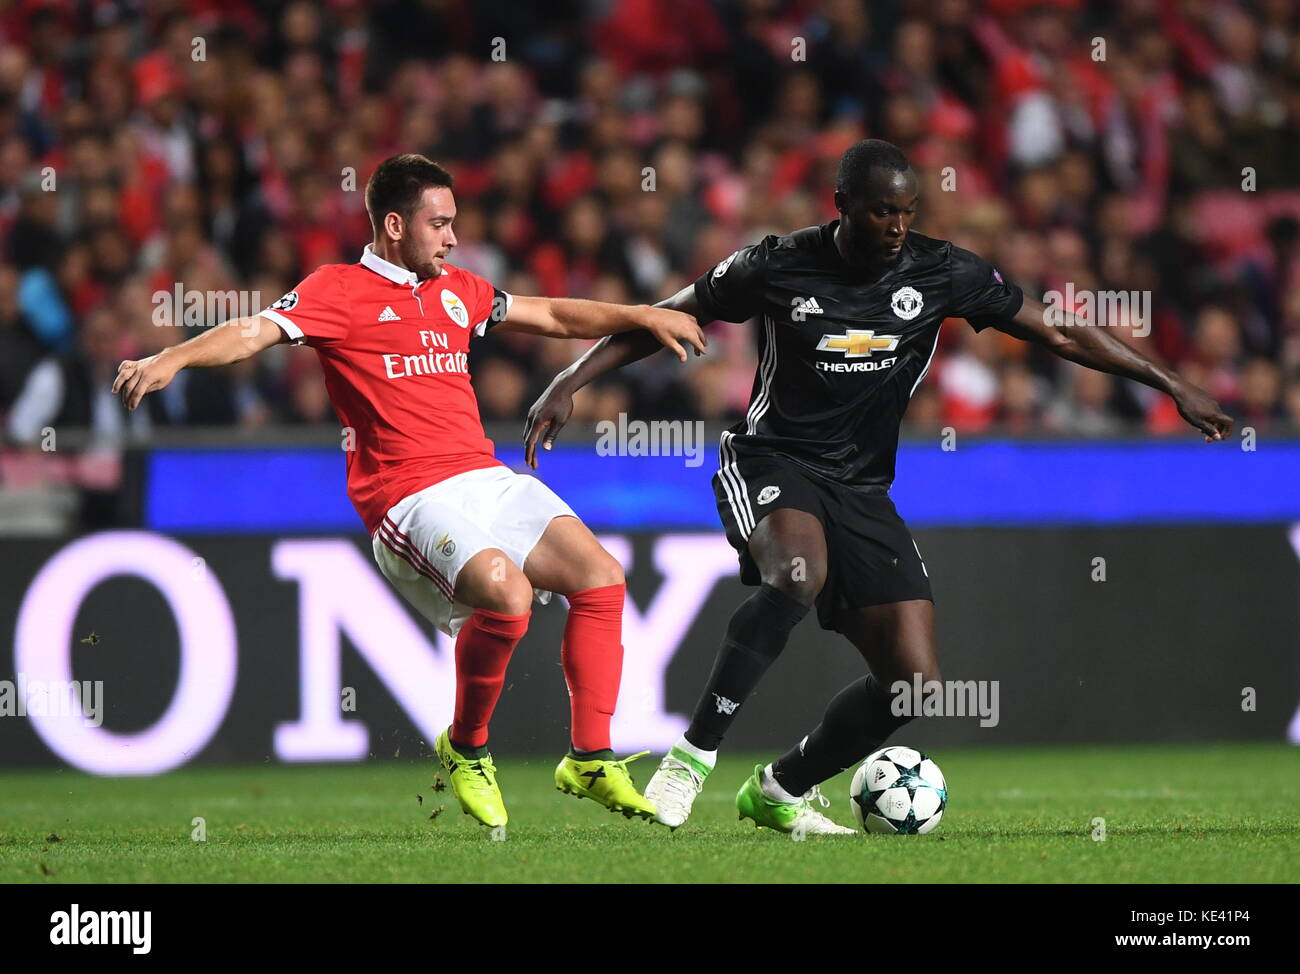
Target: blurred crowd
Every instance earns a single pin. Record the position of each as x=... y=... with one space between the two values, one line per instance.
x=616 y=149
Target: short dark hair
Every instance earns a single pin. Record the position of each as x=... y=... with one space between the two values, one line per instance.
x=860 y=158
x=397 y=184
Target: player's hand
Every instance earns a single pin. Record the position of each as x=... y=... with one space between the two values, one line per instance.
x=141 y=376
x=545 y=420
x=1199 y=408
x=673 y=329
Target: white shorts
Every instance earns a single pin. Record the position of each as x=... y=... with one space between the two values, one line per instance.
x=426 y=539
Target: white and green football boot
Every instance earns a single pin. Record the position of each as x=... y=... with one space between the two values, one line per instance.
x=675 y=786
x=788 y=817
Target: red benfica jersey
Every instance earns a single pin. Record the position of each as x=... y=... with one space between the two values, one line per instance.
x=396 y=357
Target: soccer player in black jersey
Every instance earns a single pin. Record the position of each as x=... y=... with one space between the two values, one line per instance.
x=849 y=316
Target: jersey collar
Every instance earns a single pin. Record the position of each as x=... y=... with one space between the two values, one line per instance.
x=833 y=252
x=386 y=268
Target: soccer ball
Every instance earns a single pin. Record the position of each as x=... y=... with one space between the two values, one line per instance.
x=900 y=791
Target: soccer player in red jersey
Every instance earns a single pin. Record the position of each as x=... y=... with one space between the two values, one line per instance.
x=466 y=540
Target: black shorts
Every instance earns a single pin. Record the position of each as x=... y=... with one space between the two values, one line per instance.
x=871 y=557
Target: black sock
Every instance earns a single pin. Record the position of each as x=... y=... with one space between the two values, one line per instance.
x=604 y=754
x=472 y=753
x=857 y=722
x=755 y=637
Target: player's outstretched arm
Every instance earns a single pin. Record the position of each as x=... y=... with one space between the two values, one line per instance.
x=576 y=318
x=1073 y=338
x=554 y=407
x=233 y=341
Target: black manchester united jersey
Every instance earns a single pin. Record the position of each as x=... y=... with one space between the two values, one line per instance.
x=840 y=353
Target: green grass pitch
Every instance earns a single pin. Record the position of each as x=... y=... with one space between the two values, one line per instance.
x=1173 y=814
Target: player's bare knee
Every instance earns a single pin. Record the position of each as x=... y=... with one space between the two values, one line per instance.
x=792 y=568
x=926 y=667
x=497 y=585
x=904 y=675
x=604 y=572
x=802 y=582
x=513 y=597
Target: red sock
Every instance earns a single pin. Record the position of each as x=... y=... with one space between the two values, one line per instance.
x=592 y=657
x=483 y=648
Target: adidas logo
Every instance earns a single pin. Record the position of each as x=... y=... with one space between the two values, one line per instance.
x=808 y=307
x=388 y=314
